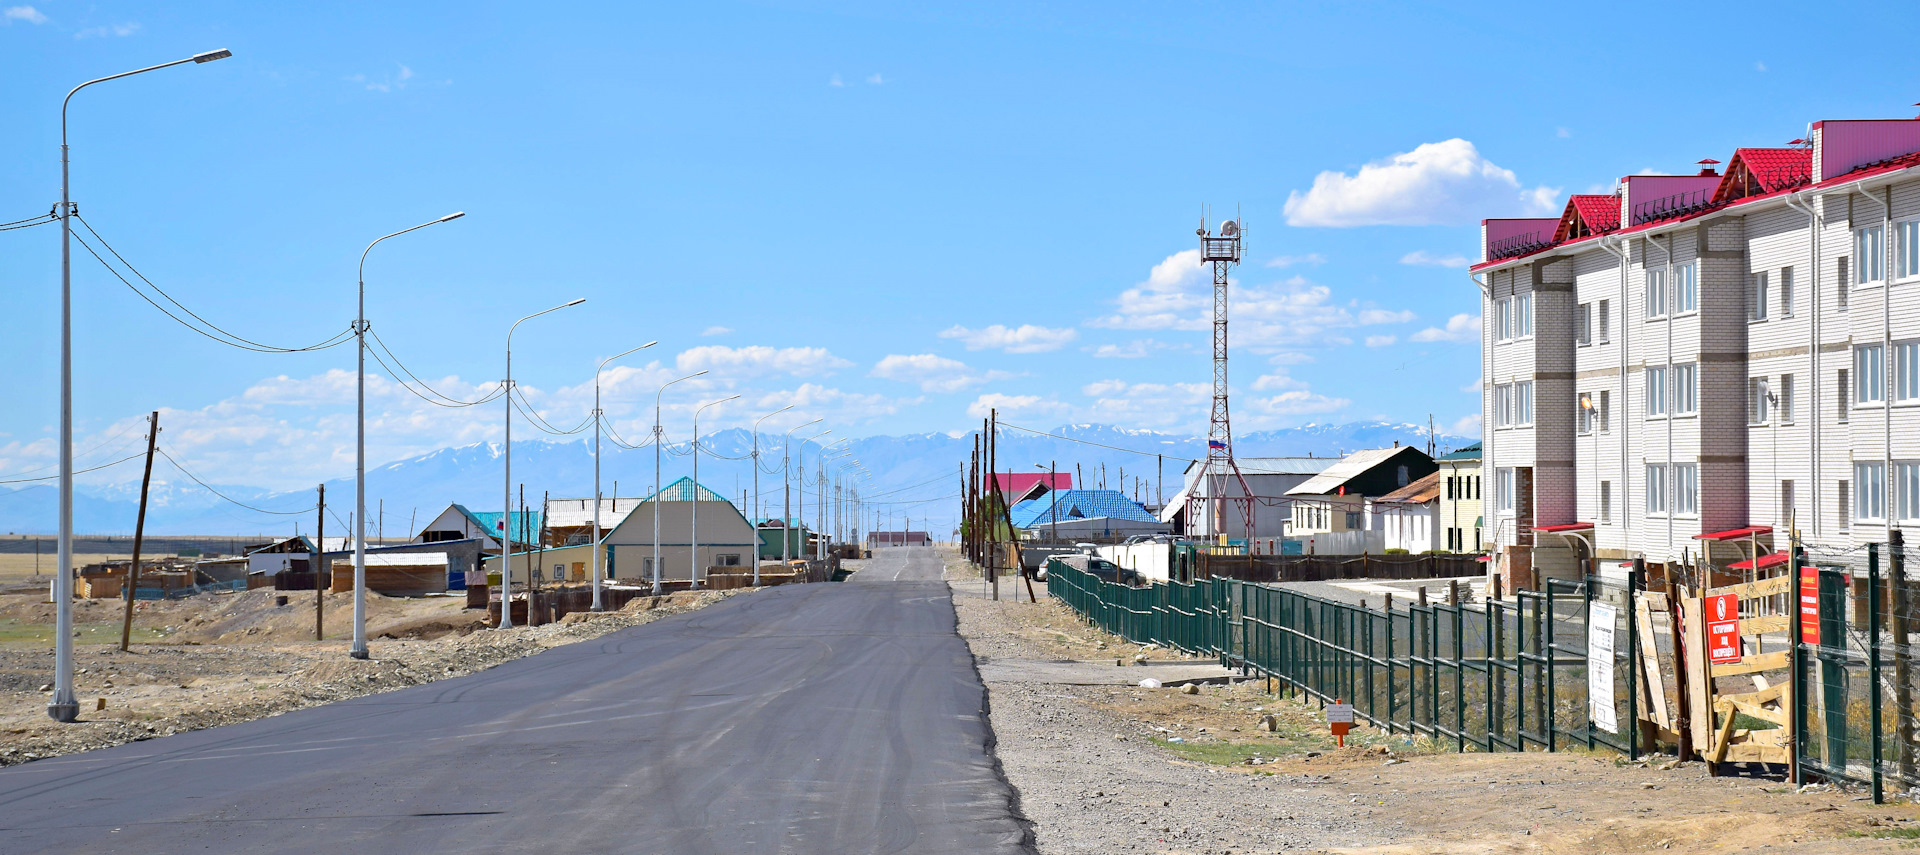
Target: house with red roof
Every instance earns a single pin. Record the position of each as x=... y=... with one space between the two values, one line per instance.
x=1711 y=354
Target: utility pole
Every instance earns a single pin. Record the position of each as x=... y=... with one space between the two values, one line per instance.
x=139 y=531
x=380 y=527
x=319 y=558
x=993 y=469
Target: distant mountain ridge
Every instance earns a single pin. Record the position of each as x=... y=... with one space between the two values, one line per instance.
x=916 y=477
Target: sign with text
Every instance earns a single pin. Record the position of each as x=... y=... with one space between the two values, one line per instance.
x=1723 y=629
x=1339 y=713
x=1600 y=622
x=1809 y=605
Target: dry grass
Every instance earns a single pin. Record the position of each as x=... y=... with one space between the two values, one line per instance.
x=16 y=568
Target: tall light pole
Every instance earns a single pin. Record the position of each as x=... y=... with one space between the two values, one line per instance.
x=660 y=438
x=820 y=512
x=756 y=492
x=359 y=533
x=786 y=491
x=1053 y=507
x=800 y=470
x=63 y=707
x=506 y=491
x=693 y=571
x=597 y=572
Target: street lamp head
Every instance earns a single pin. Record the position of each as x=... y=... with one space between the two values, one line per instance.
x=648 y=344
x=211 y=55
x=453 y=216
x=576 y=302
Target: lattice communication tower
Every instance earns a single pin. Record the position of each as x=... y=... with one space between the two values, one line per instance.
x=1222 y=250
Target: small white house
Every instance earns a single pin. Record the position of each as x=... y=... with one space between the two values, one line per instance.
x=1406 y=517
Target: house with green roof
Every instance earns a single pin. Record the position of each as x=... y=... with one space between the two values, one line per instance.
x=698 y=529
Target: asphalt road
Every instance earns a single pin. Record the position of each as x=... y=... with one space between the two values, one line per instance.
x=835 y=718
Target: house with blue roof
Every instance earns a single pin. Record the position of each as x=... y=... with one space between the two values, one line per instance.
x=459 y=523
x=1084 y=514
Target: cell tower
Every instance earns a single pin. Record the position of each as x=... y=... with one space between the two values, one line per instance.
x=1223 y=251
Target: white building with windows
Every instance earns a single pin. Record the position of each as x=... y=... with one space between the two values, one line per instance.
x=1702 y=359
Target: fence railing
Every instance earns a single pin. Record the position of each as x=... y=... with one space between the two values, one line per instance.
x=1319 y=568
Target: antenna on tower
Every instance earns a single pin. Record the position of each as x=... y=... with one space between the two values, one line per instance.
x=1222 y=249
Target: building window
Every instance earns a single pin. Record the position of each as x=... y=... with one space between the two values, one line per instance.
x=1846 y=519
x=1786 y=502
x=1656 y=294
x=1656 y=392
x=1686 y=389
x=1786 y=292
x=1401 y=475
x=728 y=559
x=1869 y=377
x=1606 y=501
x=1870 y=247
x=1686 y=488
x=1656 y=488
x=1523 y=403
x=1450 y=493
x=1606 y=410
x=1840 y=301
x=1583 y=323
x=1503 y=405
x=1784 y=410
x=1841 y=396
x=1757 y=298
x=1522 y=315
x=1353 y=521
x=1685 y=292
x=1906 y=249
x=1605 y=321
x=1906 y=371
x=1759 y=405
x=1906 y=490
x=1588 y=415
x=1503 y=489
x=1503 y=319
x=1870 y=491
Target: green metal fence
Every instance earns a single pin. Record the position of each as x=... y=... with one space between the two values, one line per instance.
x=1855 y=687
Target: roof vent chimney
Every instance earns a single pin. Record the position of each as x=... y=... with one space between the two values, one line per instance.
x=1707 y=167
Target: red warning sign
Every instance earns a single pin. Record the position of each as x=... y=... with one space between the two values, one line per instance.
x=1723 y=629
x=1809 y=605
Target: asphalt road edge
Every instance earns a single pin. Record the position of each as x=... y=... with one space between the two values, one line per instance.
x=1029 y=841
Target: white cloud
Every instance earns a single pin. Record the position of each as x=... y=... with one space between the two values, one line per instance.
x=1026 y=338
x=934 y=373
x=760 y=359
x=1136 y=349
x=1157 y=405
x=1014 y=405
x=836 y=81
x=1386 y=316
x=397 y=81
x=1298 y=402
x=1466 y=426
x=716 y=330
x=1421 y=257
x=117 y=30
x=1442 y=183
x=1291 y=260
x=1380 y=340
x=1290 y=357
x=875 y=79
x=1272 y=382
x=22 y=13
x=1461 y=327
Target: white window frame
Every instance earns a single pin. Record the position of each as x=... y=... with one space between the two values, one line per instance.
x=1869 y=491
x=1906 y=372
x=1654 y=293
x=1869 y=256
x=1606 y=411
x=1503 y=319
x=1906 y=490
x=1784 y=412
x=1686 y=389
x=1503 y=489
x=1654 y=390
x=1523 y=315
x=1759 y=409
x=1604 y=310
x=1656 y=480
x=1757 y=296
x=1686 y=289
x=1686 y=489
x=1502 y=405
x=1587 y=414
x=1906 y=250
x=1523 y=403
x=1606 y=502
x=1583 y=324
x=1869 y=375
x=1786 y=291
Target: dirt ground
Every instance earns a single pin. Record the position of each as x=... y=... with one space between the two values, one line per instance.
x=1383 y=795
x=218 y=659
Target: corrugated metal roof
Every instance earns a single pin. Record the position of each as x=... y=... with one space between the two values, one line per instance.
x=568 y=513
x=489 y=521
x=1285 y=465
x=1469 y=452
x=685 y=490
x=1419 y=492
x=1352 y=466
x=1078 y=505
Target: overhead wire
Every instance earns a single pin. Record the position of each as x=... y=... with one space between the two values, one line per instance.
x=457 y=404
x=209 y=488
x=230 y=339
x=526 y=409
x=28 y=223
x=102 y=444
x=449 y=400
x=77 y=471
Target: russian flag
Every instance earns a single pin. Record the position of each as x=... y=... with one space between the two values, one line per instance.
x=1214 y=443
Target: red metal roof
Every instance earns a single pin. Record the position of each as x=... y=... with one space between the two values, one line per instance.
x=1757 y=171
x=1566 y=527
x=1735 y=533
x=1020 y=482
x=1771 y=559
x=1588 y=215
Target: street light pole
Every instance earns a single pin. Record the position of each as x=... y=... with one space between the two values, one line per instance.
x=63 y=707
x=693 y=571
x=506 y=497
x=359 y=533
x=800 y=469
x=597 y=571
x=659 y=438
x=756 y=491
x=786 y=491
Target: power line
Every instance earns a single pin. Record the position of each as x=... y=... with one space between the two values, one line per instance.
x=538 y=422
x=102 y=444
x=78 y=472
x=451 y=401
x=210 y=489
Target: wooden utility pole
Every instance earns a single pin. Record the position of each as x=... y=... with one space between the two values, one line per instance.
x=139 y=531
x=993 y=495
x=319 y=557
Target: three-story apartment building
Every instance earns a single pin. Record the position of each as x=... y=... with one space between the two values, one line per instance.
x=1688 y=366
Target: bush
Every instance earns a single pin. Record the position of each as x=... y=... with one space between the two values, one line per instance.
x=1396 y=551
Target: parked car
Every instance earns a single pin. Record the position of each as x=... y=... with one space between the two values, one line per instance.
x=1102 y=569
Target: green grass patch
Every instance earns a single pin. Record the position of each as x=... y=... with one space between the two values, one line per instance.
x=1226 y=753
x=1907 y=833
x=13 y=633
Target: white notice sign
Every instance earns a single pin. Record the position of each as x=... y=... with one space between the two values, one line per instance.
x=1339 y=713
x=1600 y=621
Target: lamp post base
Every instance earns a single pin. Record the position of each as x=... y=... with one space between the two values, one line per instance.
x=357 y=654
x=64 y=713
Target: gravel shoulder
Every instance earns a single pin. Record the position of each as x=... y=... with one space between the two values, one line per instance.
x=1117 y=768
x=215 y=661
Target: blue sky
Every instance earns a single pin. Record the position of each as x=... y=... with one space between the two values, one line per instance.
x=887 y=215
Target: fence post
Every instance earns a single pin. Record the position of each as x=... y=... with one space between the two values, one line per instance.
x=1586 y=622
x=1459 y=673
x=1545 y=641
x=1902 y=661
x=1633 y=661
x=1797 y=717
x=1873 y=667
